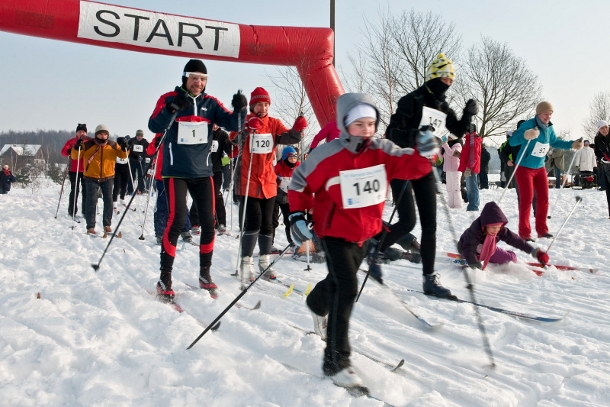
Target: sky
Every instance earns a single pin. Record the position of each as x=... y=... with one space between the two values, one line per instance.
x=54 y=85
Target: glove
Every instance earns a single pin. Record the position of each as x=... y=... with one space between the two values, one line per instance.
x=254 y=124
x=426 y=142
x=444 y=139
x=79 y=144
x=299 y=231
x=125 y=143
x=299 y=124
x=140 y=158
x=69 y=151
x=467 y=173
x=577 y=144
x=239 y=101
x=178 y=103
x=477 y=265
x=531 y=133
x=472 y=108
x=542 y=257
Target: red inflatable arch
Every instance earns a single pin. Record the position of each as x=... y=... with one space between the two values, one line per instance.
x=310 y=50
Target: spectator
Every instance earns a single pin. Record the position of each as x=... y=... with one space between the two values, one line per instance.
x=506 y=160
x=470 y=165
x=6 y=179
x=586 y=163
x=602 y=144
x=451 y=161
x=556 y=164
x=602 y=134
x=485 y=157
x=76 y=170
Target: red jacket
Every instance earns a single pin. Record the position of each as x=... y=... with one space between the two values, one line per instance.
x=471 y=153
x=150 y=150
x=328 y=133
x=263 y=183
x=65 y=152
x=315 y=184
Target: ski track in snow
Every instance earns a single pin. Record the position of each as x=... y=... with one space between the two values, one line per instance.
x=98 y=338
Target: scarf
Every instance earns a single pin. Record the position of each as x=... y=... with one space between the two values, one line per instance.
x=489 y=247
x=6 y=172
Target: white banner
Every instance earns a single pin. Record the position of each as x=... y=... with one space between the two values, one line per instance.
x=103 y=22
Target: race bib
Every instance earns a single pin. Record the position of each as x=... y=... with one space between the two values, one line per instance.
x=436 y=119
x=363 y=187
x=261 y=143
x=214 y=146
x=137 y=148
x=192 y=133
x=151 y=172
x=285 y=181
x=540 y=149
x=120 y=160
x=147 y=160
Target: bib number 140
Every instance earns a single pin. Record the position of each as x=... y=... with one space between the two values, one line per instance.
x=363 y=187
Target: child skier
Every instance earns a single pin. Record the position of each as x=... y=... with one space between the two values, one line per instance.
x=345 y=182
x=452 y=149
x=284 y=170
x=478 y=243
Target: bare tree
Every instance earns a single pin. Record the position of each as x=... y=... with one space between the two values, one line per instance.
x=393 y=58
x=290 y=101
x=501 y=83
x=599 y=110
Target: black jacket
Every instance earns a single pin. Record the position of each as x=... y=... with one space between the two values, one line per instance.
x=404 y=124
x=602 y=147
x=224 y=146
x=6 y=180
x=134 y=155
x=485 y=157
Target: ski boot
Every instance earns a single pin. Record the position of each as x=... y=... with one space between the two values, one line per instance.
x=349 y=379
x=164 y=286
x=263 y=266
x=245 y=271
x=206 y=283
x=432 y=286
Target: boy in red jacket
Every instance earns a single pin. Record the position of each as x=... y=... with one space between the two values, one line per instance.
x=345 y=182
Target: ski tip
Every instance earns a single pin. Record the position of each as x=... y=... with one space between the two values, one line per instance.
x=257 y=306
x=289 y=291
x=308 y=289
x=141 y=237
x=215 y=327
x=399 y=365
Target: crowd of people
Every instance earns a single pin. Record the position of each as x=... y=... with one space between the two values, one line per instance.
x=336 y=195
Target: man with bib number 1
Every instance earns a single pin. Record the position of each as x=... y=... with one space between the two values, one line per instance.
x=535 y=136
x=190 y=114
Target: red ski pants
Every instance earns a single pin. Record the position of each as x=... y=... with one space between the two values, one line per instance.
x=528 y=180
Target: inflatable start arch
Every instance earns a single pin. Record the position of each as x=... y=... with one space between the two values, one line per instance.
x=310 y=50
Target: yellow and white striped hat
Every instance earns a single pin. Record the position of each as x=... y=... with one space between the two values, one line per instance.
x=441 y=67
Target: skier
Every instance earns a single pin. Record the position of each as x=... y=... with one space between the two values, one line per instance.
x=121 y=178
x=470 y=165
x=345 y=182
x=76 y=170
x=6 y=179
x=452 y=149
x=284 y=170
x=186 y=164
x=257 y=185
x=414 y=111
x=535 y=136
x=477 y=244
x=602 y=145
x=99 y=155
x=326 y=133
x=137 y=147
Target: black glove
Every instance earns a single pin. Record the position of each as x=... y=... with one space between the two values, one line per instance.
x=140 y=158
x=239 y=101
x=79 y=144
x=125 y=143
x=477 y=265
x=69 y=152
x=472 y=108
x=178 y=103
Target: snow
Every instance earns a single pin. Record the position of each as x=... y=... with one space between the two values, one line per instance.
x=99 y=339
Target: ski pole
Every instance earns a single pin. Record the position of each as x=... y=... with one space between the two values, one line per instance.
x=514 y=172
x=383 y=235
x=96 y=266
x=133 y=186
x=62 y=188
x=244 y=291
x=243 y=218
x=76 y=189
x=151 y=164
x=564 y=182
x=578 y=200
x=469 y=284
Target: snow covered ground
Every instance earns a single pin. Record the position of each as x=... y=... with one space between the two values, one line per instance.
x=99 y=339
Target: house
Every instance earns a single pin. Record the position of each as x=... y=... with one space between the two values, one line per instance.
x=20 y=155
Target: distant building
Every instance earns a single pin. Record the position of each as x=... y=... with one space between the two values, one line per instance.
x=20 y=155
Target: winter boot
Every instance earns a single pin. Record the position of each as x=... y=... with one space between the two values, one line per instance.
x=245 y=271
x=195 y=230
x=349 y=379
x=222 y=229
x=164 y=286
x=412 y=257
x=91 y=231
x=159 y=239
x=186 y=236
x=319 y=325
x=205 y=281
x=263 y=266
x=107 y=229
x=115 y=206
x=123 y=202
x=432 y=286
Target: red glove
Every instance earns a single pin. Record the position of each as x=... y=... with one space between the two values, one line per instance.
x=299 y=124
x=542 y=257
x=254 y=124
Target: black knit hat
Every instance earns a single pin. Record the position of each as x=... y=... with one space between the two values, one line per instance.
x=81 y=126
x=193 y=65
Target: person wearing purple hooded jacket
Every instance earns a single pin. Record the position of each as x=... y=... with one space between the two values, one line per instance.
x=477 y=244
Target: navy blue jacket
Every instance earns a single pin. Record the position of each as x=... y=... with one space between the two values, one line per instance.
x=185 y=160
x=6 y=180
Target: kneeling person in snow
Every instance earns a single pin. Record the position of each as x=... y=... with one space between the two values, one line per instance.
x=345 y=182
x=99 y=157
x=478 y=243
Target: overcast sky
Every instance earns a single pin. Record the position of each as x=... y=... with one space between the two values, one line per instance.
x=47 y=84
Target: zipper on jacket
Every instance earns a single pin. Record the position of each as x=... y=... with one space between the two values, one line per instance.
x=171 y=155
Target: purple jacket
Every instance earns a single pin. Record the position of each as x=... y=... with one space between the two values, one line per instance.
x=474 y=235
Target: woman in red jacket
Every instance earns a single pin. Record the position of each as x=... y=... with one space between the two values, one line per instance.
x=470 y=166
x=256 y=179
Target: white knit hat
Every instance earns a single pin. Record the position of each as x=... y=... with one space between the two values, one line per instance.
x=100 y=128
x=601 y=124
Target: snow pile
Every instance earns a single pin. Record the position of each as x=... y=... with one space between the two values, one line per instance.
x=98 y=338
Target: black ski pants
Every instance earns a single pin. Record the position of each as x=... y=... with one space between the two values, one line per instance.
x=285 y=208
x=121 y=180
x=202 y=192
x=93 y=189
x=221 y=214
x=334 y=296
x=75 y=187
